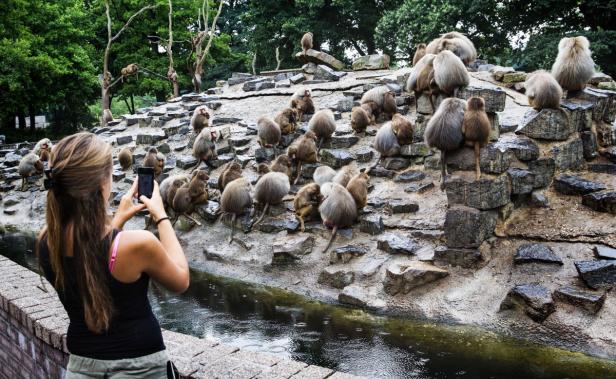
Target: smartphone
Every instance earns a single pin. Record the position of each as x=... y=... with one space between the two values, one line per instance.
x=145 y=181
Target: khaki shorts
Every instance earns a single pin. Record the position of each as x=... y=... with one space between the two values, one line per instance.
x=153 y=366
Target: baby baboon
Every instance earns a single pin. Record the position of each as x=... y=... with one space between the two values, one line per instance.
x=402 y=129
x=268 y=132
x=204 y=148
x=372 y=109
x=306 y=42
x=282 y=164
x=183 y=204
x=323 y=174
x=419 y=53
x=269 y=190
x=287 y=120
x=344 y=175
x=359 y=119
x=386 y=143
x=302 y=101
x=125 y=157
x=449 y=73
x=235 y=200
x=444 y=130
x=152 y=160
x=323 y=125
x=421 y=79
x=389 y=104
x=131 y=69
x=197 y=187
x=42 y=149
x=200 y=119
x=574 y=66
x=476 y=128
x=358 y=188
x=29 y=165
x=306 y=203
x=230 y=172
x=338 y=210
x=169 y=187
x=542 y=90
x=303 y=150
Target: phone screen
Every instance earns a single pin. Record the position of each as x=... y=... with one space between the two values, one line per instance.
x=145 y=181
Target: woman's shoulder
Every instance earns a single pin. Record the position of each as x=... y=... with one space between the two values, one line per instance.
x=137 y=241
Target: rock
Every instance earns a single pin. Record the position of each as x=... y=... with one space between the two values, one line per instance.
x=239 y=77
x=547 y=124
x=289 y=249
x=221 y=160
x=370 y=266
x=255 y=84
x=589 y=145
x=286 y=222
x=298 y=78
x=514 y=77
x=264 y=154
x=410 y=176
x=602 y=101
x=320 y=57
x=336 y=158
x=395 y=163
x=536 y=253
x=395 y=244
x=403 y=277
x=283 y=84
x=543 y=169
x=208 y=211
x=150 y=139
x=605 y=168
x=602 y=201
x=325 y=73
x=337 y=277
x=606 y=134
x=599 y=77
x=356 y=296
x=522 y=147
x=11 y=200
x=535 y=300
x=569 y=155
x=185 y=161
x=522 y=181
x=574 y=185
x=589 y=301
x=597 y=274
x=344 y=254
x=604 y=252
x=580 y=113
x=493 y=96
x=12 y=160
x=468 y=227
x=401 y=206
x=485 y=193
x=466 y=258
x=116 y=176
x=493 y=160
x=239 y=141
x=419 y=187
x=309 y=68
x=123 y=140
x=611 y=86
x=345 y=105
x=610 y=153
x=371 y=62
x=371 y=224
x=380 y=172
x=417 y=149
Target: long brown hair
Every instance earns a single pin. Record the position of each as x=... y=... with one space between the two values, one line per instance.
x=77 y=220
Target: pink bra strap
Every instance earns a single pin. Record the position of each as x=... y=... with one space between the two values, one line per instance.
x=114 y=252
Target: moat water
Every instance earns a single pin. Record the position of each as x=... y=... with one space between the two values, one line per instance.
x=273 y=321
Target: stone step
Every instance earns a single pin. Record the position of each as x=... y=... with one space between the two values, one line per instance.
x=533 y=299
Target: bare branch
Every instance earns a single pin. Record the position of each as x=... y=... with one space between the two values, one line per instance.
x=278 y=60
x=212 y=34
x=205 y=12
x=254 y=63
x=170 y=41
x=147 y=7
x=114 y=82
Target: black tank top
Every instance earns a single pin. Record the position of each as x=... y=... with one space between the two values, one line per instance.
x=133 y=331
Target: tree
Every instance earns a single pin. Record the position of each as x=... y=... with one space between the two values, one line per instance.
x=198 y=39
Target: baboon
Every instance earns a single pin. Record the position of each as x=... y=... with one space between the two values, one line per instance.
x=268 y=132
x=235 y=200
x=449 y=73
x=372 y=109
x=323 y=125
x=542 y=90
x=323 y=174
x=302 y=101
x=282 y=164
x=169 y=187
x=230 y=172
x=131 y=69
x=389 y=104
x=42 y=149
x=269 y=190
x=197 y=187
x=338 y=210
x=344 y=175
x=183 y=204
x=151 y=160
x=421 y=79
x=306 y=42
x=262 y=169
x=574 y=66
x=359 y=119
x=204 y=148
x=383 y=97
x=29 y=165
x=419 y=53
x=476 y=128
x=125 y=157
x=455 y=42
x=306 y=203
x=303 y=150
x=287 y=120
x=403 y=129
x=444 y=130
x=200 y=119
x=386 y=143
x=358 y=188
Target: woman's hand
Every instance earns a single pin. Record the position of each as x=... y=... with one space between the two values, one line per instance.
x=127 y=209
x=155 y=204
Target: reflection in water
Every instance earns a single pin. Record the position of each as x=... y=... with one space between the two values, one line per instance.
x=273 y=321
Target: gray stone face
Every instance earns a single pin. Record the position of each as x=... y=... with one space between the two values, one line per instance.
x=264 y=155
x=606 y=134
x=239 y=77
x=597 y=274
x=341 y=141
x=589 y=145
x=151 y=138
x=485 y=193
x=604 y=252
x=419 y=187
x=522 y=181
x=493 y=96
x=602 y=201
x=603 y=103
x=336 y=158
x=410 y=176
x=298 y=78
x=403 y=277
x=569 y=155
x=286 y=222
x=580 y=113
x=533 y=299
x=401 y=206
x=291 y=248
x=252 y=85
x=364 y=154
x=610 y=153
x=467 y=227
x=371 y=62
x=371 y=224
x=547 y=124
x=208 y=211
x=325 y=73
x=591 y=302
x=605 y=168
x=344 y=254
x=395 y=244
x=493 y=160
x=574 y=185
x=335 y=276
x=543 y=169
x=345 y=105
x=319 y=57
x=536 y=253
x=466 y=258
x=395 y=163
x=185 y=161
x=524 y=148
x=417 y=149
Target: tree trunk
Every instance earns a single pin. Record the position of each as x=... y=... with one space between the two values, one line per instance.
x=32 y=118
x=371 y=46
x=22 y=119
x=197 y=82
x=132 y=104
x=176 y=88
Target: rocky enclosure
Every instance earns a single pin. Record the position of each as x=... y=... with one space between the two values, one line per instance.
x=526 y=250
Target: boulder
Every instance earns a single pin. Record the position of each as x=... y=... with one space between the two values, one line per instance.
x=372 y=224
x=546 y=124
x=410 y=176
x=208 y=211
x=499 y=71
x=150 y=138
x=589 y=145
x=381 y=172
x=417 y=149
x=319 y=57
x=371 y=62
x=543 y=169
x=536 y=253
x=363 y=154
x=604 y=252
x=395 y=163
x=403 y=277
x=574 y=185
x=336 y=158
x=605 y=168
x=263 y=154
x=606 y=134
x=323 y=72
x=344 y=254
x=337 y=277
x=466 y=258
x=603 y=102
x=467 y=227
x=533 y=299
x=185 y=161
x=522 y=181
x=123 y=140
x=395 y=244
x=298 y=78
x=286 y=222
x=345 y=104
x=493 y=160
x=396 y=206
x=489 y=192
x=513 y=77
x=239 y=77
x=569 y=155
x=597 y=274
x=601 y=201
x=493 y=96
x=524 y=148
x=309 y=68
x=258 y=84
x=580 y=113
x=591 y=302
x=419 y=187
x=610 y=153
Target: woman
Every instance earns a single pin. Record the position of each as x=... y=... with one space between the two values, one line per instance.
x=101 y=273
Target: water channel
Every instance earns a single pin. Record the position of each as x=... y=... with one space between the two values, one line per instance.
x=277 y=322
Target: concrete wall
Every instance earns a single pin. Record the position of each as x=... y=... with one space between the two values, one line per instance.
x=33 y=327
